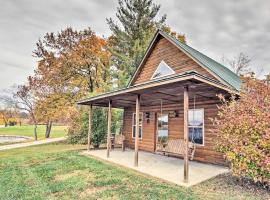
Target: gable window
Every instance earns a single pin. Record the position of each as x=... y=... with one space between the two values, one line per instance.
x=196 y=126
x=162 y=70
x=134 y=125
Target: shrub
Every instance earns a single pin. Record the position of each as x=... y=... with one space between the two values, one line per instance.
x=78 y=130
x=244 y=131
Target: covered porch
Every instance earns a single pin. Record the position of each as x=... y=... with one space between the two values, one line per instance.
x=178 y=92
x=168 y=169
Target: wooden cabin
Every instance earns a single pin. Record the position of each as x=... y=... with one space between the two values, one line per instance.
x=171 y=96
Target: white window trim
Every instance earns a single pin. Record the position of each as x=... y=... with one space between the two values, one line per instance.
x=172 y=71
x=203 y=144
x=133 y=115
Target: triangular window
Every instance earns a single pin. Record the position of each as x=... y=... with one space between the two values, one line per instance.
x=162 y=70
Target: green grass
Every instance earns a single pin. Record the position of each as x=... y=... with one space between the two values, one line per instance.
x=28 y=130
x=58 y=171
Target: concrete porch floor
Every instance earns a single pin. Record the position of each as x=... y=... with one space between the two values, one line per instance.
x=167 y=168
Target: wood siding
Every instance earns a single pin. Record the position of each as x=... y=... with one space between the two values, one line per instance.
x=204 y=153
x=176 y=59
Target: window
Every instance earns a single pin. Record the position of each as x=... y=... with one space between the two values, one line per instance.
x=196 y=126
x=162 y=132
x=134 y=125
x=162 y=70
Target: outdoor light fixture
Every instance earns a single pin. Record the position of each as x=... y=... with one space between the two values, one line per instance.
x=147 y=116
x=174 y=114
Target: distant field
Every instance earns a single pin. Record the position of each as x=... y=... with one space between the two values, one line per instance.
x=28 y=130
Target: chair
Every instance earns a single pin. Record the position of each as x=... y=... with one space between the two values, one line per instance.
x=118 y=140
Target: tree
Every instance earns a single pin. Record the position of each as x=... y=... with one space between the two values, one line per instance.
x=130 y=39
x=72 y=64
x=6 y=113
x=78 y=130
x=22 y=98
x=8 y=110
x=239 y=64
x=243 y=131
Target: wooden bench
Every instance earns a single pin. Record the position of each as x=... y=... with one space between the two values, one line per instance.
x=118 y=140
x=177 y=147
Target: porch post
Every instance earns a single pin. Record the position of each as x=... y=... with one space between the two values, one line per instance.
x=89 y=127
x=186 y=106
x=137 y=130
x=109 y=128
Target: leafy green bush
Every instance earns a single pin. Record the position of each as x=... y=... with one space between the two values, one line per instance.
x=78 y=130
x=244 y=131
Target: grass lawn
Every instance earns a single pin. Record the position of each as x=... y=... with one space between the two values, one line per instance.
x=28 y=130
x=58 y=171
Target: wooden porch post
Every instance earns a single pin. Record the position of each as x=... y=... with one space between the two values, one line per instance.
x=137 y=131
x=109 y=128
x=89 y=127
x=186 y=106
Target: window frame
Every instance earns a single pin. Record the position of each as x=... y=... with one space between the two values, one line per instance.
x=203 y=135
x=153 y=75
x=158 y=115
x=134 y=125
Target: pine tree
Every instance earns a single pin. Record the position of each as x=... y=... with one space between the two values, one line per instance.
x=132 y=36
x=130 y=39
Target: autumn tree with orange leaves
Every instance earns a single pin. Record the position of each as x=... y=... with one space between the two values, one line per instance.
x=244 y=133
x=71 y=65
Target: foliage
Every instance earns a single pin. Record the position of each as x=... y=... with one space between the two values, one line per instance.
x=23 y=98
x=244 y=133
x=7 y=116
x=78 y=130
x=8 y=112
x=71 y=64
x=132 y=36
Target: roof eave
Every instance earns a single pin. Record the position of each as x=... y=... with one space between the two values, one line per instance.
x=155 y=83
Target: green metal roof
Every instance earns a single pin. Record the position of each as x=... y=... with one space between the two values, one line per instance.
x=218 y=69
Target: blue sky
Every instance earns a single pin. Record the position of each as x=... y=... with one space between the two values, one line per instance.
x=216 y=28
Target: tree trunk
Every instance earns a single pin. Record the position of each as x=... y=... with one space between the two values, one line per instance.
x=5 y=121
x=48 y=129
x=35 y=130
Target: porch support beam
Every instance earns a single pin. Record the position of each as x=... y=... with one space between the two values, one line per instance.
x=109 y=117
x=89 y=127
x=186 y=106
x=137 y=131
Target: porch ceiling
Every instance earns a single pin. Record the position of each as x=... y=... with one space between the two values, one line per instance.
x=170 y=93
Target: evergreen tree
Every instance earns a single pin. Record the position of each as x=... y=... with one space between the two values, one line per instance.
x=130 y=39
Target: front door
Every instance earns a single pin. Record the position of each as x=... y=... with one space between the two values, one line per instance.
x=162 y=131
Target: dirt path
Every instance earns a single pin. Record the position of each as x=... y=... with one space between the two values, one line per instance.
x=27 y=144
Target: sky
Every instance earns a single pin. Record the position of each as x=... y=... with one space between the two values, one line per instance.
x=216 y=28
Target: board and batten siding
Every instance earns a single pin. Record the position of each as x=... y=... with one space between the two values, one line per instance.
x=204 y=153
x=176 y=59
